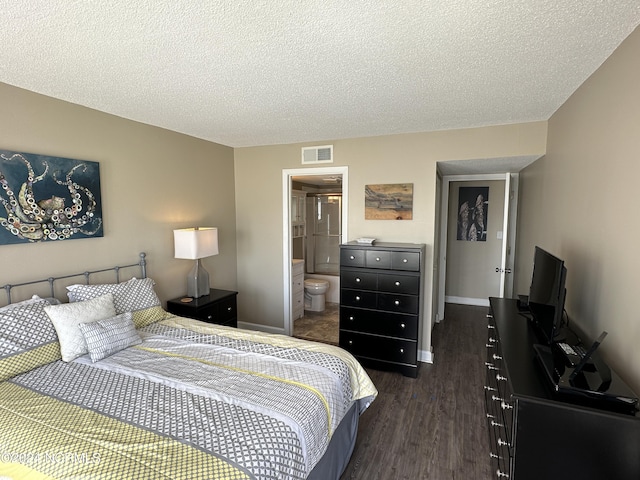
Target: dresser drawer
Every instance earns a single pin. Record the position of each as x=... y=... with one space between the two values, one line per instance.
x=378 y=259
x=381 y=348
x=380 y=323
x=358 y=298
x=352 y=257
x=398 y=303
x=396 y=283
x=358 y=279
x=405 y=261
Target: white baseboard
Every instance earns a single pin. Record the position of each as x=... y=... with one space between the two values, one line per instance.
x=480 y=302
x=260 y=328
x=425 y=356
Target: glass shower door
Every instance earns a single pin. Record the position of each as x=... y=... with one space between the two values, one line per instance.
x=327 y=233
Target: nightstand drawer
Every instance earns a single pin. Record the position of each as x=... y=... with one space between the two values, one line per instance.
x=227 y=309
x=218 y=307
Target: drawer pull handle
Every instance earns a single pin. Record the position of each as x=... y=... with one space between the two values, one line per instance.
x=357 y=298
x=351 y=257
x=402 y=350
x=497 y=357
x=351 y=319
x=490 y=389
x=350 y=342
x=491 y=327
x=496 y=399
x=397 y=302
x=357 y=279
x=496 y=424
x=493 y=455
x=489 y=315
x=397 y=284
x=492 y=367
x=490 y=416
x=209 y=317
x=502 y=443
x=500 y=378
x=229 y=309
x=501 y=475
x=402 y=325
x=492 y=340
x=488 y=345
x=377 y=259
x=505 y=406
x=404 y=260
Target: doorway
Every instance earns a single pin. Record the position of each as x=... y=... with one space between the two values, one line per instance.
x=291 y=223
x=472 y=268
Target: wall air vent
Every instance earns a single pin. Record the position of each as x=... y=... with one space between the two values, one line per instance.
x=313 y=155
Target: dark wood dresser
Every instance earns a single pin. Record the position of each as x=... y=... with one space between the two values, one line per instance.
x=218 y=307
x=381 y=304
x=533 y=433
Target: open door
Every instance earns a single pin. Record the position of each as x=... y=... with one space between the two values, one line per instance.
x=496 y=275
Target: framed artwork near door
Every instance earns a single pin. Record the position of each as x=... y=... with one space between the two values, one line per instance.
x=473 y=212
x=391 y=201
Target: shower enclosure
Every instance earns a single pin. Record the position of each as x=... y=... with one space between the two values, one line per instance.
x=324 y=233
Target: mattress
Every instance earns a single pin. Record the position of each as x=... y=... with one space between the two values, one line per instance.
x=193 y=400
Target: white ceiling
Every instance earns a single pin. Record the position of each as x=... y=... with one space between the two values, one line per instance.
x=246 y=73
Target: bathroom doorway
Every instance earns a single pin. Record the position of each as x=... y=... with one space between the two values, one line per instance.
x=315 y=218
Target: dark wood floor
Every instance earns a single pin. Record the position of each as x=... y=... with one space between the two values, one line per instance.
x=432 y=427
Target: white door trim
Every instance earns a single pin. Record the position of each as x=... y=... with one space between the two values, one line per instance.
x=506 y=284
x=286 y=226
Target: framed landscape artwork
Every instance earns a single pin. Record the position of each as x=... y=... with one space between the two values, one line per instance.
x=391 y=201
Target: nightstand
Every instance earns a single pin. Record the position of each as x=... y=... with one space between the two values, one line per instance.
x=218 y=307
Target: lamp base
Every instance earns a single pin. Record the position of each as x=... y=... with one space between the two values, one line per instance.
x=198 y=281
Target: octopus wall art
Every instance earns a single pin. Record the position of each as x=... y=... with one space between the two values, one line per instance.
x=48 y=198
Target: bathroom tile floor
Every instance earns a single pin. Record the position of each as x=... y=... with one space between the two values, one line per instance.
x=319 y=326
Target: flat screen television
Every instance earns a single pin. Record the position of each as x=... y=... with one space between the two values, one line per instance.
x=547 y=293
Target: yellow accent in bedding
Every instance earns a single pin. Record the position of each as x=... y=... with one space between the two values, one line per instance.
x=313 y=390
x=22 y=362
x=42 y=437
x=361 y=384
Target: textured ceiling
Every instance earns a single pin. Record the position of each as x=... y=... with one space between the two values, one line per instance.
x=283 y=71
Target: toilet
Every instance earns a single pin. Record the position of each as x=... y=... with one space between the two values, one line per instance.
x=314 y=290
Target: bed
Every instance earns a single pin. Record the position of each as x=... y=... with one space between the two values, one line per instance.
x=110 y=385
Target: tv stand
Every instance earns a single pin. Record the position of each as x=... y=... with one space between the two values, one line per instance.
x=535 y=433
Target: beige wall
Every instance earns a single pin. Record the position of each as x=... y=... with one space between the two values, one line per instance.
x=152 y=181
x=580 y=202
x=407 y=158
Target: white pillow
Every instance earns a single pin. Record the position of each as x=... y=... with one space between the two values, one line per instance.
x=67 y=316
x=109 y=336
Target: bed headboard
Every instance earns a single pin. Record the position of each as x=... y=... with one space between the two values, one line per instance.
x=141 y=264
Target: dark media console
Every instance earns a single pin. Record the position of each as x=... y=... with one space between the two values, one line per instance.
x=538 y=431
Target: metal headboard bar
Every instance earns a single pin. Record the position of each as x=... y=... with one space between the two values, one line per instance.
x=142 y=263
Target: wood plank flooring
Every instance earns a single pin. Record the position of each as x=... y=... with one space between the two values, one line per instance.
x=434 y=426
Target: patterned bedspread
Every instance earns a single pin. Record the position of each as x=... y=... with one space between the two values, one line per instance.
x=192 y=401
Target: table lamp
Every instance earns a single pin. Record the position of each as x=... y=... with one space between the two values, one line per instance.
x=194 y=244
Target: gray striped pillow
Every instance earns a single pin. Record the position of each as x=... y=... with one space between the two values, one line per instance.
x=109 y=336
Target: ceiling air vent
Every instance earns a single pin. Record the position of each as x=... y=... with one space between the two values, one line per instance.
x=312 y=155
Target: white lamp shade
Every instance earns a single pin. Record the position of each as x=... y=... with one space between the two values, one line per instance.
x=194 y=243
